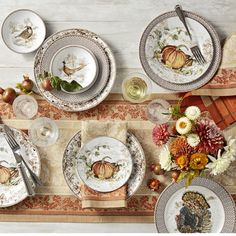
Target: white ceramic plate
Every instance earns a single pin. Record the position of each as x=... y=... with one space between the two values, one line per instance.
x=166 y=56
x=218 y=216
x=12 y=188
x=75 y=63
x=23 y=31
x=104 y=164
x=106 y=62
x=172 y=32
x=70 y=163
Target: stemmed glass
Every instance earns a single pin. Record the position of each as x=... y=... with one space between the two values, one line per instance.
x=43 y=132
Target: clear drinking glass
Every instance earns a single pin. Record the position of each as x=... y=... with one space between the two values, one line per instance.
x=136 y=88
x=43 y=132
x=25 y=107
x=157 y=111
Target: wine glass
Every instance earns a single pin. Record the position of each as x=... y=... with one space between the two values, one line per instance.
x=43 y=132
x=25 y=107
x=158 y=111
x=136 y=88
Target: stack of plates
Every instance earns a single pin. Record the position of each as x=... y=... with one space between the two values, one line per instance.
x=123 y=164
x=78 y=55
x=167 y=32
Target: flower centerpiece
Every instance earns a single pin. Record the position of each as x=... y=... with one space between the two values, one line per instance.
x=193 y=145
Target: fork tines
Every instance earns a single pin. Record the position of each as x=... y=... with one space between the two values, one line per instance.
x=198 y=55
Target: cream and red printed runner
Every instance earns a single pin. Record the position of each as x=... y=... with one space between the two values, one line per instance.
x=55 y=202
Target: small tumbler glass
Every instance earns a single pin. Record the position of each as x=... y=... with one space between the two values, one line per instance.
x=158 y=112
x=25 y=107
x=136 y=88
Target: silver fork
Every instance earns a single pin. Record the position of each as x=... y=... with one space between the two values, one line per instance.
x=194 y=48
x=15 y=148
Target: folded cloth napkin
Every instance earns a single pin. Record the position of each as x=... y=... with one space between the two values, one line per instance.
x=90 y=197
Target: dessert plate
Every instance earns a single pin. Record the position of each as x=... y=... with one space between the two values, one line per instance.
x=104 y=164
x=75 y=63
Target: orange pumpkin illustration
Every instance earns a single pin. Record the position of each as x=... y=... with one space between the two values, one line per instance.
x=103 y=169
x=6 y=174
x=174 y=57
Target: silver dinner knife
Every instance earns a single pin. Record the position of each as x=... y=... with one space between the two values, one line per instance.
x=28 y=184
x=16 y=149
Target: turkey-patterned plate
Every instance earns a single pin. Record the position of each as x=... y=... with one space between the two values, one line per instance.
x=104 y=164
x=12 y=188
x=203 y=207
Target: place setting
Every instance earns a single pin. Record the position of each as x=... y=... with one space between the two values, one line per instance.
x=140 y=156
x=101 y=167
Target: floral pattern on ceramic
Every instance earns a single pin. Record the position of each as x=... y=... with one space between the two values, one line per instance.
x=107 y=69
x=70 y=161
x=178 y=65
x=104 y=164
x=12 y=188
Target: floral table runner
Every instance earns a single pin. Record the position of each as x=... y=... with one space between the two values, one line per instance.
x=54 y=200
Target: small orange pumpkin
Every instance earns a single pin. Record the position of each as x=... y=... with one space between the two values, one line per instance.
x=174 y=57
x=103 y=169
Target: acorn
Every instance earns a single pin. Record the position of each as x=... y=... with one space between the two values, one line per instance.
x=154 y=184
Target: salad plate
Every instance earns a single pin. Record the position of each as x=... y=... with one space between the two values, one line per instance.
x=165 y=51
x=75 y=64
x=104 y=164
x=204 y=207
x=70 y=164
x=23 y=31
x=106 y=68
x=12 y=187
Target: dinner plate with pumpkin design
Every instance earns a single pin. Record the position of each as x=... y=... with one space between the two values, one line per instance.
x=203 y=207
x=165 y=51
x=12 y=187
x=70 y=163
x=104 y=164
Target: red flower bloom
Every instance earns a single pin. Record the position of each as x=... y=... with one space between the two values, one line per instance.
x=160 y=134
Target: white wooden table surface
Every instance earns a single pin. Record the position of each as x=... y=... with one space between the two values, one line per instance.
x=120 y=23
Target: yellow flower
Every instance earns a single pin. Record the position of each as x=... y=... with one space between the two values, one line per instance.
x=198 y=161
x=182 y=161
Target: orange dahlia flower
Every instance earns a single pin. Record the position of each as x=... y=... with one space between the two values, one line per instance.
x=182 y=161
x=198 y=161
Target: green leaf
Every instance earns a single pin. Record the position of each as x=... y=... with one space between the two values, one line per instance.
x=181 y=176
x=71 y=87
